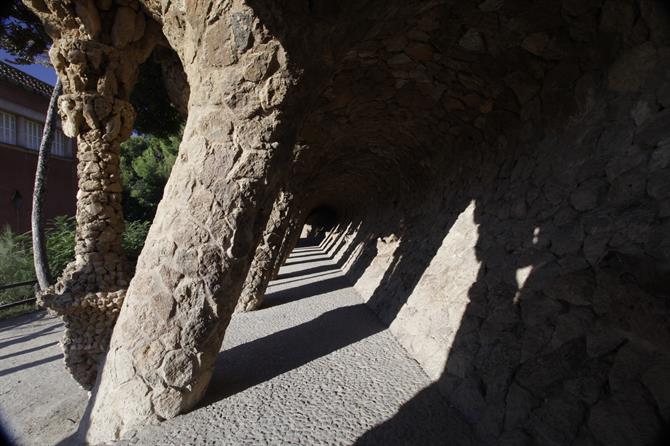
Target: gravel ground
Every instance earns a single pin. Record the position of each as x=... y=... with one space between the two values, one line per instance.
x=313 y=367
x=39 y=403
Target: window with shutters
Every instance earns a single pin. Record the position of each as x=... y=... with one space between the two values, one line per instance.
x=33 y=134
x=59 y=144
x=7 y=128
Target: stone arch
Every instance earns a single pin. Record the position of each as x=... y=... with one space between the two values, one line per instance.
x=245 y=68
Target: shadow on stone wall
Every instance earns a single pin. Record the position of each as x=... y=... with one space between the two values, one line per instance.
x=579 y=349
x=577 y=352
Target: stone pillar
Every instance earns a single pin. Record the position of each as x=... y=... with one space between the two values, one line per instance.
x=267 y=253
x=96 y=53
x=290 y=240
x=236 y=145
x=329 y=237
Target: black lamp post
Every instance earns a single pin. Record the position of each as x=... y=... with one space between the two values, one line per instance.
x=17 y=202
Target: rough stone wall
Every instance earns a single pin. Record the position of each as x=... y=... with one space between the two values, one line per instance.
x=531 y=281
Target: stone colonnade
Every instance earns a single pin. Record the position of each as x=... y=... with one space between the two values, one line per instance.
x=215 y=206
x=216 y=203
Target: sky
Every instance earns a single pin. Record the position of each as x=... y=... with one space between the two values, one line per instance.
x=46 y=74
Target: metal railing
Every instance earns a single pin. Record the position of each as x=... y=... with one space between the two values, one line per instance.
x=20 y=302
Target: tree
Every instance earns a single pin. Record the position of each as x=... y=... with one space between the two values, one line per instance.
x=146 y=162
x=23 y=36
x=37 y=219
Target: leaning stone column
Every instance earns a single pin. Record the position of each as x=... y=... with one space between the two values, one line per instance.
x=237 y=142
x=266 y=255
x=96 y=53
x=290 y=240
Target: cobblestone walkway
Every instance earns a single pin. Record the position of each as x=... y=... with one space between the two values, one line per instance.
x=313 y=367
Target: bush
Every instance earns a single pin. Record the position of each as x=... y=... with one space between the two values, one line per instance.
x=60 y=235
x=16 y=255
x=16 y=265
x=16 y=260
x=133 y=240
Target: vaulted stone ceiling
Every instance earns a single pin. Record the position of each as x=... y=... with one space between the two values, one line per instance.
x=424 y=85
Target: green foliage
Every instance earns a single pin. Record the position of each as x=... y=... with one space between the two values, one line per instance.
x=146 y=162
x=22 y=34
x=16 y=263
x=60 y=235
x=133 y=239
x=16 y=256
x=16 y=260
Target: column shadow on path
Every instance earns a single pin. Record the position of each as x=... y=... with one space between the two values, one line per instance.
x=255 y=362
x=305 y=291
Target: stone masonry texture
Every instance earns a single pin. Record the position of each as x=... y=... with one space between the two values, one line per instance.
x=499 y=171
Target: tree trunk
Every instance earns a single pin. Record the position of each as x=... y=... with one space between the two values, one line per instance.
x=37 y=219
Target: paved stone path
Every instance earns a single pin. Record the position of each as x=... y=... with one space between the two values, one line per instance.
x=313 y=367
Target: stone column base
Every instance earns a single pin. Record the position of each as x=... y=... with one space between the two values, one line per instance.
x=89 y=320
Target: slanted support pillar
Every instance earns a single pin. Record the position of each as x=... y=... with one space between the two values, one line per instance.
x=98 y=66
x=267 y=252
x=291 y=238
x=235 y=150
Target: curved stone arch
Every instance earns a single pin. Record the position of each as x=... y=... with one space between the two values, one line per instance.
x=224 y=166
x=246 y=97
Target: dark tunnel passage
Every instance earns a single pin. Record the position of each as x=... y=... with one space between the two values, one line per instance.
x=318 y=223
